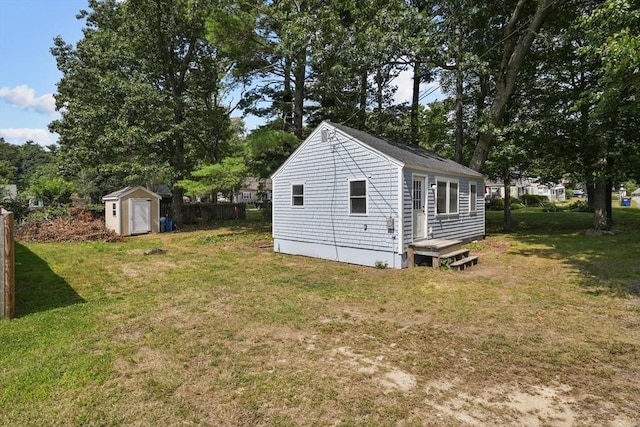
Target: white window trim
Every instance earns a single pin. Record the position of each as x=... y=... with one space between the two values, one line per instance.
x=449 y=181
x=473 y=195
x=366 y=196
x=303 y=195
x=246 y=195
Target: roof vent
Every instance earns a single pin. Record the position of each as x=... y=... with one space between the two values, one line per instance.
x=324 y=135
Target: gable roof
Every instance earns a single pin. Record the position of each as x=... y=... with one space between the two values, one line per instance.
x=126 y=190
x=410 y=155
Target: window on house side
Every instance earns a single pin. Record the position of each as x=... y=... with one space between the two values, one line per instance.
x=297 y=195
x=358 y=197
x=113 y=207
x=453 y=197
x=441 y=192
x=446 y=196
x=473 y=197
x=246 y=195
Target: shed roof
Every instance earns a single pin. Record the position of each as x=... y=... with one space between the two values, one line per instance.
x=125 y=191
x=409 y=154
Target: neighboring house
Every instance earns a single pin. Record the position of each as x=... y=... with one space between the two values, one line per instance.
x=526 y=185
x=132 y=210
x=9 y=193
x=253 y=190
x=349 y=196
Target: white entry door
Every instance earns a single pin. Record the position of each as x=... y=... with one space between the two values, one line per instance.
x=419 y=215
x=140 y=216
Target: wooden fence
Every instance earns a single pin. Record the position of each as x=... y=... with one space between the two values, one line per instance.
x=201 y=212
x=7 y=266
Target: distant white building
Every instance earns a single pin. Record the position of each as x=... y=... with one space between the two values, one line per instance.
x=9 y=193
x=526 y=185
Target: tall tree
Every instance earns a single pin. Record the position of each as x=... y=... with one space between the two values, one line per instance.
x=140 y=93
x=518 y=24
x=613 y=42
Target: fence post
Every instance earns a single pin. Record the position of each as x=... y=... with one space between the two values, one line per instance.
x=7 y=266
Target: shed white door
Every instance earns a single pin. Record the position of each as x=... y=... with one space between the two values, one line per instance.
x=140 y=216
x=419 y=216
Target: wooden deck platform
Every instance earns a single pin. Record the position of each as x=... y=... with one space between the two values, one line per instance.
x=439 y=250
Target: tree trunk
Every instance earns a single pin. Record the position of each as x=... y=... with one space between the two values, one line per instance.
x=459 y=105
x=516 y=46
x=362 y=110
x=298 y=96
x=287 y=104
x=609 y=203
x=415 y=102
x=600 y=220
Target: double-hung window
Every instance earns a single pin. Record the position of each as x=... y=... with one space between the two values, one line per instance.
x=473 y=197
x=446 y=196
x=358 y=197
x=297 y=195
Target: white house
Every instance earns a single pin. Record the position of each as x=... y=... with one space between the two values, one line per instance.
x=9 y=192
x=527 y=185
x=349 y=196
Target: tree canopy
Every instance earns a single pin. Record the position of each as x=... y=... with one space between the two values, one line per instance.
x=546 y=87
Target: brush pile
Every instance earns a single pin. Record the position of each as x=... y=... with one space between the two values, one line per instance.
x=74 y=225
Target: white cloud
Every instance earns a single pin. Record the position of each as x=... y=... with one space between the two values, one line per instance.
x=24 y=97
x=404 y=81
x=20 y=136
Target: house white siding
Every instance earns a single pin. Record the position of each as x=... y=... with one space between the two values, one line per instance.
x=464 y=225
x=323 y=226
x=314 y=213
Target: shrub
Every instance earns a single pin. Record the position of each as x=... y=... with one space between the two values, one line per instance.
x=20 y=209
x=551 y=207
x=381 y=264
x=534 y=200
x=580 y=206
x=49 y=213
x=498 y=204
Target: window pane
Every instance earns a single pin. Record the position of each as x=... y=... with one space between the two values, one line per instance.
x=358 y=197
x=297 y=195
x=473 y=197
x=417 y=195
x=358 y=188
x=358 y=206
x=453 y=197
x=442 y=197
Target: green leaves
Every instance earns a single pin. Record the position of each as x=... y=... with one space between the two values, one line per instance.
x=222 y=177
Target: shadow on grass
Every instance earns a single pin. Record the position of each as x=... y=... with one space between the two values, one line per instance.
x=38 y=288
x=608 y=263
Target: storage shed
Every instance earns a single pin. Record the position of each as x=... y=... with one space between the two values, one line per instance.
x=132 y=210
x=349 y=196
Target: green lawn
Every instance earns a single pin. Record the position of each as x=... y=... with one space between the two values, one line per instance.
x=219 y=330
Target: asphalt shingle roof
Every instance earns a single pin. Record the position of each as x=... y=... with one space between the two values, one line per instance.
x=409 y=154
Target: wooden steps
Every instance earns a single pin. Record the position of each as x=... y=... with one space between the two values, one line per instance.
x=464 y=263
x=441 y=253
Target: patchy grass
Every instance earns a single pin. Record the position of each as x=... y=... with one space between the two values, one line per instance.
x=219 y=330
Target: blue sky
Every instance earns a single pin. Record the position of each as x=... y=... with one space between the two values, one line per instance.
x=28 y=73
